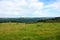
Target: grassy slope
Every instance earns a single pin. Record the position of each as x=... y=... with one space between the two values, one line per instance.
x=36 y=31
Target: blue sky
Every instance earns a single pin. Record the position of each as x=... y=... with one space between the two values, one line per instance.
x=29 y=8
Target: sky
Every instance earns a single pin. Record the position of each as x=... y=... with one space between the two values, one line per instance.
x=29 y=8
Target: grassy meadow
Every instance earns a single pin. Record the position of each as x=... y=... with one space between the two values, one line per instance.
x=29 y=31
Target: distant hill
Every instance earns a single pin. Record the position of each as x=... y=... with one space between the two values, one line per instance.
x=56 y=19
x=30 y=20
x=22 y=20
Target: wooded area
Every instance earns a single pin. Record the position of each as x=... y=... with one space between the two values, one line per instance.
x=29 y=20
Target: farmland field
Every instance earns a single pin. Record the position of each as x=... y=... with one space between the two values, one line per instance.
x=29 y=31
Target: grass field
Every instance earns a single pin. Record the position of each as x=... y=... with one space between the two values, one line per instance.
x=34 y=31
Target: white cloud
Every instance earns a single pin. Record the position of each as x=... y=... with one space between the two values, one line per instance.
x=14 y=8
x=20 y=7
x=36 y=5
x=55 y=5
x=11 y=8
x=52 y=10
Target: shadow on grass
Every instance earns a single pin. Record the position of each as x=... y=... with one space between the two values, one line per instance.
x=58 y=36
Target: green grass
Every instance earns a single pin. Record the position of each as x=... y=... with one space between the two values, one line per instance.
x=35 y=31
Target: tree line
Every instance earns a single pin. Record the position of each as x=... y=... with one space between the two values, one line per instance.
x=29 y=20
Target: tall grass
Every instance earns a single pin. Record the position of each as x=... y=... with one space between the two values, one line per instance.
x=35 y=31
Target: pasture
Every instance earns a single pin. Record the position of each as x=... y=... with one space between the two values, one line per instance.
x=33 y=31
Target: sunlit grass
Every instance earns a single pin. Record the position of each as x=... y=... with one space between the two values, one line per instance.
x=35 y=31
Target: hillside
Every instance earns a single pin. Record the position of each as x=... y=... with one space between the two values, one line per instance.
x=56 y=19
x=30 y=20
x=21 y=20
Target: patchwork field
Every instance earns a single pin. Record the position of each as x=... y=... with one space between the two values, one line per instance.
x=32 y=31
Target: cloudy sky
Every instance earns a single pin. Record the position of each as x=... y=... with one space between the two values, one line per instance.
x=29 y=8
